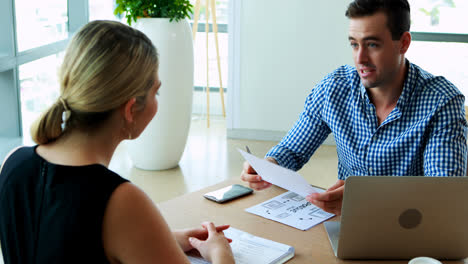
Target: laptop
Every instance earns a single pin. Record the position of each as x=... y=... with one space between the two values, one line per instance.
x=385 y=217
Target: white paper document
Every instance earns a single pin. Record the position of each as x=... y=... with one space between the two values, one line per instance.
x=248 y=249
x=280 y=176
x=291 y=209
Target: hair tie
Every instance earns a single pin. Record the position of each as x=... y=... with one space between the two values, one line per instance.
x=66 y=113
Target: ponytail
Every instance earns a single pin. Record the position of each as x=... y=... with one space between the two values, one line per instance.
x=48 y=127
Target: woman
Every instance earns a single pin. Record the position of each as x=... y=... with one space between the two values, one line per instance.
x=58 y=201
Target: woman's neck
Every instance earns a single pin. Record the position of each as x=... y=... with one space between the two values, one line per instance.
x=78 y=148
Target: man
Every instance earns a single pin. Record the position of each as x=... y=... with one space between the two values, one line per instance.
x=387 y=115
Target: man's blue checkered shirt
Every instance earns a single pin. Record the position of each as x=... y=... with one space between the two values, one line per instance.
x=425 y=134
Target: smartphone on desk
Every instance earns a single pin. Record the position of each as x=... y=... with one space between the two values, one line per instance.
x=228 y=193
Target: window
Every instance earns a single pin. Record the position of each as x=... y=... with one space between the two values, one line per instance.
x=440 y=39
x=39 y=89
x=40 y=22
x=446 y=58
x=440 y=16
x=102 y=10
x=34 y=35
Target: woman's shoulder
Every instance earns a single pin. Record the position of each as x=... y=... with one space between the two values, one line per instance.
x=98 y=172
x=17 y=157
x=105 y=182
x=19 y=154
x=14 y=168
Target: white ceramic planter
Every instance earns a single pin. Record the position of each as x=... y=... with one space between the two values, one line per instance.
x=162 y=143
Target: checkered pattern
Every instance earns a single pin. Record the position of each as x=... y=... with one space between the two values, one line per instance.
x=425 y=134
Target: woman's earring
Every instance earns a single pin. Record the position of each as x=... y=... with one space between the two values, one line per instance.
x=130 y=132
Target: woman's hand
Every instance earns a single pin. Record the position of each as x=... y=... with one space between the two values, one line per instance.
x=182 y=236
x=215 y=248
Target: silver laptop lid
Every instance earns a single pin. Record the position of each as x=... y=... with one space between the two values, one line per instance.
x=333 y=231
x=388 y=217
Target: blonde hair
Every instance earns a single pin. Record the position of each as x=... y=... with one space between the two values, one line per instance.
x=106 y=64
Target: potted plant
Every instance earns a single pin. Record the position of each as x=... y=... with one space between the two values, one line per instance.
x=172 y=9
x=162 y=143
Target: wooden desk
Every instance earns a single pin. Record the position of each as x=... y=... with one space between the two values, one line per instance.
x=312 y=246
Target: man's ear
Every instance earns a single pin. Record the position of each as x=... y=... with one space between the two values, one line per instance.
x=128 y=110
x=405 y=42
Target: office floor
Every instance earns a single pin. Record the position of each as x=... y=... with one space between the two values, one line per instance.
x=210 y=158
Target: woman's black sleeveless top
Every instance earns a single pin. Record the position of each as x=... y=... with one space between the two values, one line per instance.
x=53 y=213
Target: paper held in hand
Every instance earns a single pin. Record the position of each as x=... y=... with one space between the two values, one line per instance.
x=280 y=176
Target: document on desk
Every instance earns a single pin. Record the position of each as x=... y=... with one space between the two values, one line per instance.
x=291 y=209
x=280 y=176
x=248 y=249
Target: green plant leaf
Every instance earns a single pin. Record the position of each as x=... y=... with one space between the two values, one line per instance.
x=172 y=9
x=425 y=11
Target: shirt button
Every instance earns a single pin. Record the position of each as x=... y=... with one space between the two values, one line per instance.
x=370 y=169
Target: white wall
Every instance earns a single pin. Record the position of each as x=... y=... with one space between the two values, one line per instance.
x=278 y=51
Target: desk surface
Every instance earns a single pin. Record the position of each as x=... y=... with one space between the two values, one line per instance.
x=312 y=246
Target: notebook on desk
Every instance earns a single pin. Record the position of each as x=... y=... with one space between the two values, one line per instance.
x=248 y=249
x=386 y=217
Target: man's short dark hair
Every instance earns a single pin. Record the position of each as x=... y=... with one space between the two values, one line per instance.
x=397 y=12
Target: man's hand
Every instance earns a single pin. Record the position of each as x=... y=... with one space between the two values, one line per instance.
x=330 y=200
x=249 y=175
